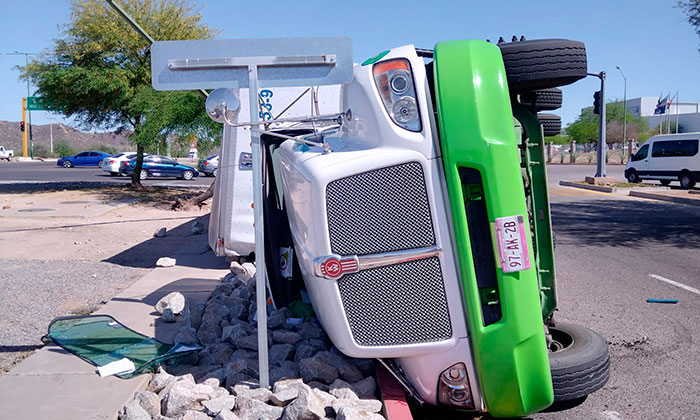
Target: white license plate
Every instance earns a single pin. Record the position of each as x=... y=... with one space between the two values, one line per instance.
x=512 y=244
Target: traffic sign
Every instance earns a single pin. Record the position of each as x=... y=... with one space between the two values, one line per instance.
x=34 y=104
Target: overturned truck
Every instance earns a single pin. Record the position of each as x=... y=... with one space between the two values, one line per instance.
x=418 y=219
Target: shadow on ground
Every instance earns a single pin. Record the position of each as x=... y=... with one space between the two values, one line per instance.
x=158 y=196
x=145 y=254
x=629 y=223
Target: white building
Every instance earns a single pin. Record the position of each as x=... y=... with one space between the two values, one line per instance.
x=686 y=113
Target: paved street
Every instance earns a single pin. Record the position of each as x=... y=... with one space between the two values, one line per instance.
x=49 y=171
x=612 y=255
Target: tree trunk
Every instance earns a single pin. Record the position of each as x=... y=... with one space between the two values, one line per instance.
x=181 y=204
x=136 y=176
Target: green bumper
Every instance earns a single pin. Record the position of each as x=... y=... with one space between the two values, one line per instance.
x=476 y=135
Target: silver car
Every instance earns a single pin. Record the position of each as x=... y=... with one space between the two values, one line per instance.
x=209 y=166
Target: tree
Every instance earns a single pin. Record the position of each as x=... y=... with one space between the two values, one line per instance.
x=692 y=11
x=99 y=71
x=585 y=128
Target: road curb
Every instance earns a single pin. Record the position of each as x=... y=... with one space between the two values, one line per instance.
x=598 y=188
x=662 y=197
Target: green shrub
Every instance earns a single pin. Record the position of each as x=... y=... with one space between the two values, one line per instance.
x=63 y=149
x=107 y=149
x=42 y=150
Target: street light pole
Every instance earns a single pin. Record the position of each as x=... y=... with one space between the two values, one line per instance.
x=624 y=118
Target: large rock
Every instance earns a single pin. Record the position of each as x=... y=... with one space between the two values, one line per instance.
x=183 y=395
x=232 y=333
x=175 y=301
x=214 y=406
x=304 y=351
x=314 y=369
x=160 y=233
x=343 y=390
x=159 y=381
x=309 y=330
x=351 y=413
x=226 y=415
x=365 y=388
x=237 y=269
x=251 y=409
x=285 y=337
x=253 y=391
x=372 y=406
x=209 y=333
x=247 y=367
x=149 y=401
x=186 y=335
x=286 y=370
x=278 y=353
x=346 y=370
x=306 y=406
x=133 y=411
x=168 y=315
x=166 y=262
x=195 y=415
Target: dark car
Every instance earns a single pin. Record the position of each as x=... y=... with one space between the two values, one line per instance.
x=159 y=166
x=89 y=158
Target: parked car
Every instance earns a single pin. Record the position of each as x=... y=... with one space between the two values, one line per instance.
x=89 y=158
x=159 y=166
x=209 y=166
x=667 y=158
x=112 y=163
x=6 y=153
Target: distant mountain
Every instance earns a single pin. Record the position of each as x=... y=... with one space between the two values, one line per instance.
x=11 y=137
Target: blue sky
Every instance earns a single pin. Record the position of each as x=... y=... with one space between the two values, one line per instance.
x=650 y=40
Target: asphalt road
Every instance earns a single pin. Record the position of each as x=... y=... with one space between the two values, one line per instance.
x=613 y=253
x=49 y=171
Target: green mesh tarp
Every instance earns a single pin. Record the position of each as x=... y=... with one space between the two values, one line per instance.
x=101 y=339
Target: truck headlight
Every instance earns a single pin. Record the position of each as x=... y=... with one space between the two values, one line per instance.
x=453 y=387
x=394 y=81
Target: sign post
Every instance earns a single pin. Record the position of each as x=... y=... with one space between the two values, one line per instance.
x=252 y=64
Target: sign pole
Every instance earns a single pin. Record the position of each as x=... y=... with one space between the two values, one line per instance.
x=260 y=268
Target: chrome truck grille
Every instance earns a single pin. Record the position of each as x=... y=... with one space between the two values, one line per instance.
x=381 y=211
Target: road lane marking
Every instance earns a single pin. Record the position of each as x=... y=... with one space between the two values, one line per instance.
x=675 y=283
x=561 y=193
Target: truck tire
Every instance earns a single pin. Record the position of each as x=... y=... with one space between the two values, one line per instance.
x=579 y=361
x=543 y=63
x=551 y=124
x=542 y=100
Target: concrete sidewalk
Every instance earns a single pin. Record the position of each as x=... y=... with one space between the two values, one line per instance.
x=54 y=384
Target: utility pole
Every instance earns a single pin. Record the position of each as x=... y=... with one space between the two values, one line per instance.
x=624 y=118
x=29 y=112
x=601 y=170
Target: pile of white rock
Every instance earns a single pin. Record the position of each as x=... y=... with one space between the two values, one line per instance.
x=311 y=379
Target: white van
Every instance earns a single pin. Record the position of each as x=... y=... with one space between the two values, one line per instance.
x=667 y=158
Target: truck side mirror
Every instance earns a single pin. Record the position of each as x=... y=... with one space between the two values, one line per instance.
x=223 y=105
